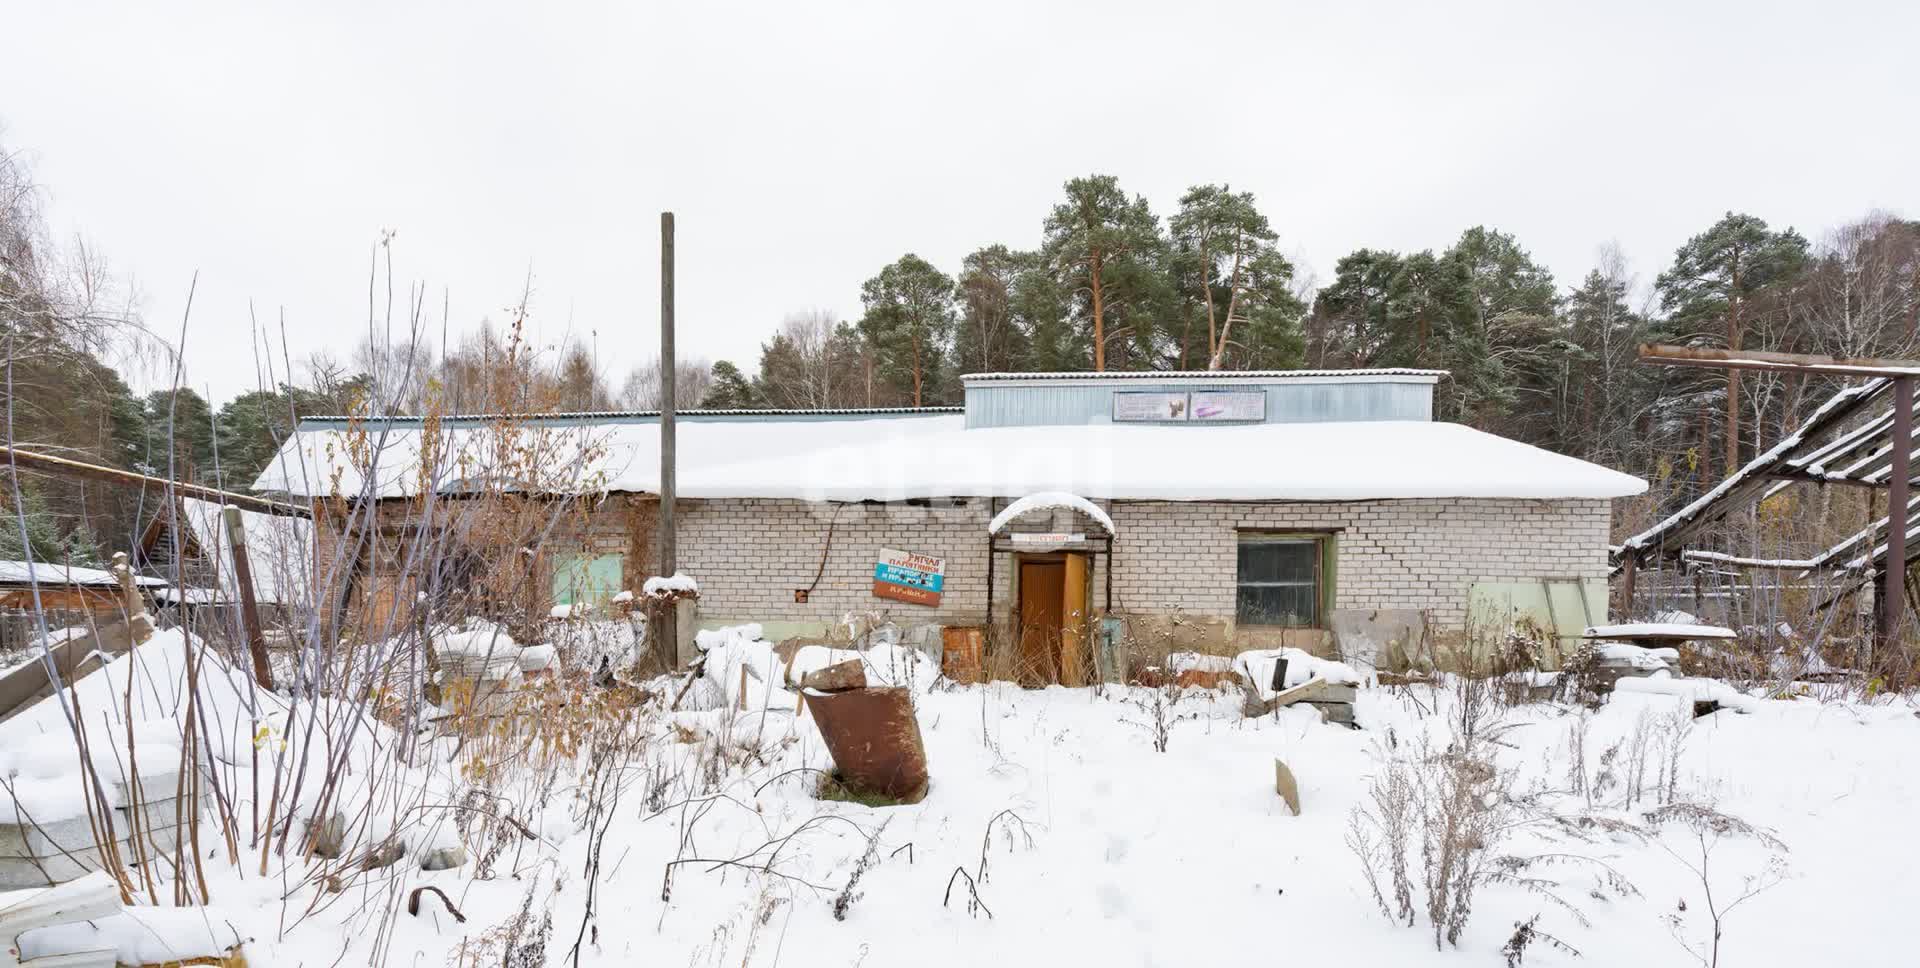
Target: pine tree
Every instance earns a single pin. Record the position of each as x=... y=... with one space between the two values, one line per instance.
x=1107 y=249
x=1717 y=277
x=179 y=435
x=731 y=390
x=43 y=530
x=1225 y=262
x=992 y=335
x=908 y=321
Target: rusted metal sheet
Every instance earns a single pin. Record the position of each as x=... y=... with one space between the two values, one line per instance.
x=961 y=653
x=851 y=674
x=874 y=740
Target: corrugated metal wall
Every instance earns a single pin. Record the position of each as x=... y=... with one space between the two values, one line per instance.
x=1052 y=403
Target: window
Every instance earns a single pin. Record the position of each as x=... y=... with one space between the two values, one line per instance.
x=1283 y=580
x=585 y=579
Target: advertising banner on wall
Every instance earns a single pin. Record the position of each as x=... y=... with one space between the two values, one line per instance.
x=905 y=576
x=1138 y=407
x=1229 y=405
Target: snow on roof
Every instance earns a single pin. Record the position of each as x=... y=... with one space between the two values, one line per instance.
x=1188 y=376
x=602 y=416
x=47 y=573
x=905 y=457
x=1368 y=460
x=279 y=550
x=1044 y=500
x=611 y=454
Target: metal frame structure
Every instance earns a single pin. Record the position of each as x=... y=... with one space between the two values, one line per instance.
x=1877 y=453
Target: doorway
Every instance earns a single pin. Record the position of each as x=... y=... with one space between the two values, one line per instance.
x=1052 y=616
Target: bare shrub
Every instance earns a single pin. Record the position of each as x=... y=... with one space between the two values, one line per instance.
x=1159 y=707
x=1703 y=830
x=843 y=901
x=1455 y=809
x=1525 y=935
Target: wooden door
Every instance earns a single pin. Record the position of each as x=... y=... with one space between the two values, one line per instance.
x=1074 y=634
x=1042 y=599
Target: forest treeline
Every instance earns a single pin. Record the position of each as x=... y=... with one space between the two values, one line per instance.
x=1112 y=286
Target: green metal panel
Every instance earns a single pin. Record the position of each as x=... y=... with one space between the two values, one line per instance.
x=1565 y=606
x=586 y=579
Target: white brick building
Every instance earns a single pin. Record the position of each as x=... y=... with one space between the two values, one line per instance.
x=1245 y=509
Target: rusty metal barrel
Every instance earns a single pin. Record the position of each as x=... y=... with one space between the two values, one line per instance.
x=874 y=740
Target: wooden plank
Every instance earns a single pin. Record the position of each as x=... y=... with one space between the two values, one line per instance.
x=1315 y=690
x=62 y=467
x=1720 y=359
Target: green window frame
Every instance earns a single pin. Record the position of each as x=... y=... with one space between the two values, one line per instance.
x=1284 y=580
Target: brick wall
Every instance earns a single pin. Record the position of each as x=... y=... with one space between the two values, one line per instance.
x=1421 y=554
x=750 y=555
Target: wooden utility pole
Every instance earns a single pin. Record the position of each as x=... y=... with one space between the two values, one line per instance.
x=666 y=645
x=249 y=605
x=1893 y=606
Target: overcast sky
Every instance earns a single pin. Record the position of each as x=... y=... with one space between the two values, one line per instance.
x=805 y=145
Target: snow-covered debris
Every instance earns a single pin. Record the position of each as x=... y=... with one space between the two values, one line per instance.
x=813 y=658
x=889 y=664
x=1659 y=630
x=679 y=584
x=564 y=612
x=738 y=652
x=1637 y=658
x=534 y=658
x=1258 y=667
x=707 y=639
x=1047 y=500
x=142 y=936
x=482 y=650
x=240 y=721
x=1179 y=662
x=1689 y=691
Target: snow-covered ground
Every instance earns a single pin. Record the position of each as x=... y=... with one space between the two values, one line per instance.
x=1088 y=847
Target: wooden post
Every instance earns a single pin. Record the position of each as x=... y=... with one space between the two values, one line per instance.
x=249 y=606
x=1893 y=593
x=1627 y=568
x=667 y=644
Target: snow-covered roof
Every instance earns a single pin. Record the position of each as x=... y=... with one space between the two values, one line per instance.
x=611 y=454
x=1046 y=500
x=46 y=573
x=279 y=551
x=1190 y=376
x=904 y=457
x=1818 y=451
x=1255 y=462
